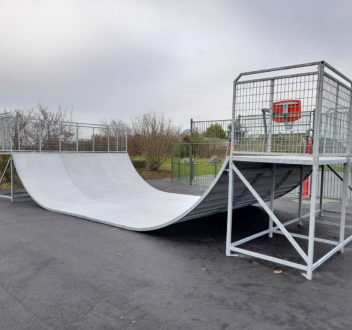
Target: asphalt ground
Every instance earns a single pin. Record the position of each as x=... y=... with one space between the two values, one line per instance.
x=62 y=272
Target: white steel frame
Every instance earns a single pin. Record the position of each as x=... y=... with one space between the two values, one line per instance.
x=315 y=160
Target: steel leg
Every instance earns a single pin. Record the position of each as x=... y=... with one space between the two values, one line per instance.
x=344 y=201
x=12 y=180
x=229 y=210
x=314 y=185
x=321 y=189
x=271 y=214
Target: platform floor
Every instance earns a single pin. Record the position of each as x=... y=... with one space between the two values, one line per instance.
x=290 y=159
x=60 y=273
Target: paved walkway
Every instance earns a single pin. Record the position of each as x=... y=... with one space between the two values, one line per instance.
x=60 y=272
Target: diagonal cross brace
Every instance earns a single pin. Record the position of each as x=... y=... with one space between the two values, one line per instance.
x=5 y=169
x=338 y=175
x=270 y=213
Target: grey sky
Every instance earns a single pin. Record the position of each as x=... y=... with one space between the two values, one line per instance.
x=116 y=59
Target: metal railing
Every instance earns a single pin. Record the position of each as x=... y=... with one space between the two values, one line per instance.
x=201 y=171
x=274 y=109
x=18 y=133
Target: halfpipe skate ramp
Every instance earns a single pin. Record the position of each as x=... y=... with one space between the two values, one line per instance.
x=105 y=187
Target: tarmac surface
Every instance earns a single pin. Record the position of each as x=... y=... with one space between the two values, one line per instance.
x=61 y=272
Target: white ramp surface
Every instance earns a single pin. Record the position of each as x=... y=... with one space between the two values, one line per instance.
x=105 y=187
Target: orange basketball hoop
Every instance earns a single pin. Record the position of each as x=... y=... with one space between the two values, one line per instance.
x=287 y=112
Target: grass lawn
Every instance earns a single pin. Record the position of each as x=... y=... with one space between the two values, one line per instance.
x=200 y=167
x=162 y=173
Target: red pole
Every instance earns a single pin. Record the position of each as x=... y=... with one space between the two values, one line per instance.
x=305 y=192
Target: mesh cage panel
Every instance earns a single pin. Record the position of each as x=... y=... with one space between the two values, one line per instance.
x=29 y=134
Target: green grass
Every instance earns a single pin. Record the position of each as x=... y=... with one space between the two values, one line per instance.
x=200 y=167
x=163 y=172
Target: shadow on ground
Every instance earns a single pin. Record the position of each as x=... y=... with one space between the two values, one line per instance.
x=247 y=221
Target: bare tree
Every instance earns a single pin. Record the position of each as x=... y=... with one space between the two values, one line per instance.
x=154 y=133
x=117 y=127
x=41 y=125
x=25 y=129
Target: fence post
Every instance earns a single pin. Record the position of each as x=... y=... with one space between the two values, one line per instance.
x=172 y=162
x=215 y=168
x=191 y=154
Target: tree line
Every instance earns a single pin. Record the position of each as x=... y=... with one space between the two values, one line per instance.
x=150 y=134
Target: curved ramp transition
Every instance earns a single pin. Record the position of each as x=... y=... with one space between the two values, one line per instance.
x=105 y=187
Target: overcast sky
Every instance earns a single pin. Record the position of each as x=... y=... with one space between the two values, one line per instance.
x=117 y=59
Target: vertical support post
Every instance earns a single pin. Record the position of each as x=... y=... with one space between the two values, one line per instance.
x=270 y=126
x=300 y=198
x=77 y=137
x=12 y=179
x=191 y=153
x=172 y=162
x=322 y=174
x=272 y=196
x=315 y=172
x=346 y=176
x=215 y=168
x=126 y=142
x=117 y=141
x=108 y=138
x=230 y=167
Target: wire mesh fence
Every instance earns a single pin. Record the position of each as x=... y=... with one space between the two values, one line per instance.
x=209 y=139
x=332 y=187
x=197 y=163
x=30 y=134
x=335 y=123
x=278 y=114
